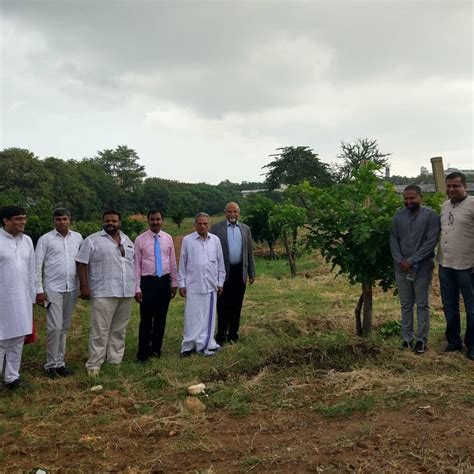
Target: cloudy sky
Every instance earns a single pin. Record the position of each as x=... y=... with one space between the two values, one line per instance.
x=206 y=90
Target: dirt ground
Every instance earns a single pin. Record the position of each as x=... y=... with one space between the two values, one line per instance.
x=417 y=439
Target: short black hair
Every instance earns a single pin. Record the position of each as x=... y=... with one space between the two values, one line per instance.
x=7 y=212
x=113 y=212
x=457 y=174
x=155 y=211
x=60 y=212
x=413 y=187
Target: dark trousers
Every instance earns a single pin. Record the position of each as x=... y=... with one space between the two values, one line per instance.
x=454 y=283
x=229 y=306
x=156 y=294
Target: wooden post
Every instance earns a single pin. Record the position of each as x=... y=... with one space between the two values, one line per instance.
x=438 y=174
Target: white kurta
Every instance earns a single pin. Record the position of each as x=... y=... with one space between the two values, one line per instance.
x=17 y=285
x=201 y=271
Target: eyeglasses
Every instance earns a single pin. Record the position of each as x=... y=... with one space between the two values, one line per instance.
x=122 y=250
x=450 y=218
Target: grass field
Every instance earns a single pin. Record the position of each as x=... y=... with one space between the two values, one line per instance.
x=298 y=393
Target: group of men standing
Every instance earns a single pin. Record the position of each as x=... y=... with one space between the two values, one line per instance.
x=415 y=233
x=215 y=264
x=110 y=270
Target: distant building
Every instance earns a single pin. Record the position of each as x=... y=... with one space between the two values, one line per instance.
x=451 y=169
x=387 y=172
x=424 y=171
x=246 y=192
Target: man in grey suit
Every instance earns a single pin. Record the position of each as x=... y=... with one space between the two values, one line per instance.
x=237 y=246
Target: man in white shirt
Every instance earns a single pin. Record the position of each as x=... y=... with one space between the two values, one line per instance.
x=201 y=277
x=456 y=262
x=57 y=287
x=107 y=278
x=17 y=291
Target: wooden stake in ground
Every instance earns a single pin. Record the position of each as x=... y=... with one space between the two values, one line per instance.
x=438 y=173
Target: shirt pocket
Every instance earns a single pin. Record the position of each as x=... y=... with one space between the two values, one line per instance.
x=129 y=251
x=212 y=254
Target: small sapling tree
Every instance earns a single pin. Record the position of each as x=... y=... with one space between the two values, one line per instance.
x=350 y=224
x=257 y=211
x=287 y=218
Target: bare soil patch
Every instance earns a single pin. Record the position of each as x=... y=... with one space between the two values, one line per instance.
x=408 y=440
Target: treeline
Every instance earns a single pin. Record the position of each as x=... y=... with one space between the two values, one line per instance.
x=114 y=178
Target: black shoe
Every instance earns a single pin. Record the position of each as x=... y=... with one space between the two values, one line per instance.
x=143 y=360
x=470 y=353
x=16 y=385
x=451 y=348
x=406 y=345
x=63 y=371
x=155 y=355
x=51 y=373
x=420 y=347
x=185 y=354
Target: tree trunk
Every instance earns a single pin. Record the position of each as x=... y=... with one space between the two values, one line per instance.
x=272 y=251
x=364 y=306
x=289 y=254
x=358 y=311
x=367 y=310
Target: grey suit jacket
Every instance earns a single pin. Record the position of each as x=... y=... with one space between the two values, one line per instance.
x=248 y=262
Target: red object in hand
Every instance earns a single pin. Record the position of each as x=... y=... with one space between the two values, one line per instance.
x=30 y=338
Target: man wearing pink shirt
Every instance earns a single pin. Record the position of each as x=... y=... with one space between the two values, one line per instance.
x=156 y=283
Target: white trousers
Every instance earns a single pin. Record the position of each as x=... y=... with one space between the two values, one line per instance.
x=58 y=322
x=10 y=351
x=108 y=324
x=199 y=322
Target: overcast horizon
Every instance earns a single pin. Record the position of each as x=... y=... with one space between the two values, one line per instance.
x=205 y=91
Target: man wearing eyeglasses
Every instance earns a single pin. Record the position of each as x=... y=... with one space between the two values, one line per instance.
x=201 y=278
x=107 y=278
x=17 y=292
x=456 y=262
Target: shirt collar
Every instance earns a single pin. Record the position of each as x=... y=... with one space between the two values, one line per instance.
x=229 y=224
x=197 y=236
x=58 y=233
x=152 y=234
x=10 y=236
x=103 y=233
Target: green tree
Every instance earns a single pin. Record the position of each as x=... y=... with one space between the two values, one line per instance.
x=350 y=224
x=178 y=210
x=107 y=193
x=354 y=154
x=293 y=165
x=286 y=219
x=68 y=189
x=122 y=164
x=23 y=174
x=257 y=210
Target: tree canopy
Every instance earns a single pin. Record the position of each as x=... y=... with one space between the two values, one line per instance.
x=354 y=154
x=293 y=165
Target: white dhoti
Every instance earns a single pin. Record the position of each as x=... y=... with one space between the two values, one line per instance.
x=10 y=351
x=199 y=323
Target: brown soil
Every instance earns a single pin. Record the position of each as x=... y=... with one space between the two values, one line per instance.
x=415 y=439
